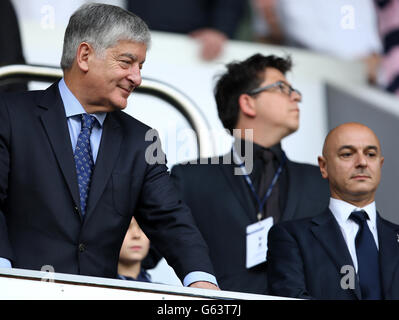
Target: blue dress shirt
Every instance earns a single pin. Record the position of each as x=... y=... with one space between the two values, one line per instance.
x=73 y=110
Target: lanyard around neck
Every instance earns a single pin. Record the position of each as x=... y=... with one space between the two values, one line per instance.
x=261 y=202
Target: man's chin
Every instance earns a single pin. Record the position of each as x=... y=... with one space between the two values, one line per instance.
x=362 y=191
x=120 y=105
x=292 y=128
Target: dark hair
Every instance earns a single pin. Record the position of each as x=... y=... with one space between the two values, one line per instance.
x=242 y=77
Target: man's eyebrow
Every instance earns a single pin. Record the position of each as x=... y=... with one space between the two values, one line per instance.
x=130 y=56
x=351 y=147
x=372 y=147
x=285 y=82
x=346 y=147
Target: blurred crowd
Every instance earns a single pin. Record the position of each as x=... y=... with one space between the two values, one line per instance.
x=348 y=29
x=365 y=30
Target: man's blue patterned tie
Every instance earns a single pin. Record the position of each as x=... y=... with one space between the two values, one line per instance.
x=84 y=159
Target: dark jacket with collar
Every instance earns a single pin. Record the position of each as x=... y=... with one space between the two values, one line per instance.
x=40 y=219
x=306 y=259
x=222 y=206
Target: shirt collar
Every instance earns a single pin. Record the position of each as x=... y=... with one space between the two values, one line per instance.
x=342 y=210
x=257 y=149
x=143 y=276
x=72 y=105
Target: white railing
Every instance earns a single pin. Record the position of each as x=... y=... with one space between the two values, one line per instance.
x=29 y=284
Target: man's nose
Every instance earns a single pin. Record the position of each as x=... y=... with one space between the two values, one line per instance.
x=135 y=75
x=361 y=160
x=136 y=234
x=296 y=96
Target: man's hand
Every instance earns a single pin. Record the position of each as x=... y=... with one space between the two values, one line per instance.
x=204 y=285
x=212 y=42
x=372 y=63
x=268 y=10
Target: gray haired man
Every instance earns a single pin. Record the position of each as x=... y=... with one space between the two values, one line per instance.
x=73 y=169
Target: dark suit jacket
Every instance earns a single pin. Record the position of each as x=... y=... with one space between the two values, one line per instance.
x=40 y=220
x=305 y=258
x=222 y=206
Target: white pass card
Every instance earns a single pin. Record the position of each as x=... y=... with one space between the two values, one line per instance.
x=257 y=241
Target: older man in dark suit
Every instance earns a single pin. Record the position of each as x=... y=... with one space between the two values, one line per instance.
x=348 y=251
x=74 y=168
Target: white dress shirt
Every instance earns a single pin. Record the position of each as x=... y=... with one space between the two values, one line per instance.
x=341 y=211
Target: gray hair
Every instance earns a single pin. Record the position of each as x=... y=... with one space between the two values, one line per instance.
x=102 y=26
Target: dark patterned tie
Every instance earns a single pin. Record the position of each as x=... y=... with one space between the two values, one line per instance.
x=367 y=258
x=271 y=208
x=84 y=159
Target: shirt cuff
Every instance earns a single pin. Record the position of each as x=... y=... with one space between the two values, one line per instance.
x=5 y=263
x=199 y=276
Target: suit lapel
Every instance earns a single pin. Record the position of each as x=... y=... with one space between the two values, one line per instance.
x=388 y=237
x=55 y=124
x=111 y=140
x=240 y=189
x=328 y=233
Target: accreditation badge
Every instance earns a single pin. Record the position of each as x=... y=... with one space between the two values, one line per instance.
x=257 y=241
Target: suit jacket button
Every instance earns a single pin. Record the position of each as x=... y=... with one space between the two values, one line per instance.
x=82 y=247
x=76 y=209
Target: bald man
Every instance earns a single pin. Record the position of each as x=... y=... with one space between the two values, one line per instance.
x=348 y=251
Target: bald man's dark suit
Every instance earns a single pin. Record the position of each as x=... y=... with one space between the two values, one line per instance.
x=305 y=259
x=40 y=220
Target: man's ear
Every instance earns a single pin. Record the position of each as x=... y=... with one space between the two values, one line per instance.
x=247 y=105
x=82 y=56
x=323 y=167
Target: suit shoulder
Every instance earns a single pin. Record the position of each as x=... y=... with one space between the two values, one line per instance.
x=199 y=165
x=390 y=224
x=295 y=224
x=128 y=119
x=20 y=99
x=309 y=174
x=307 y=167
x=294 y=229
x=130 y=123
